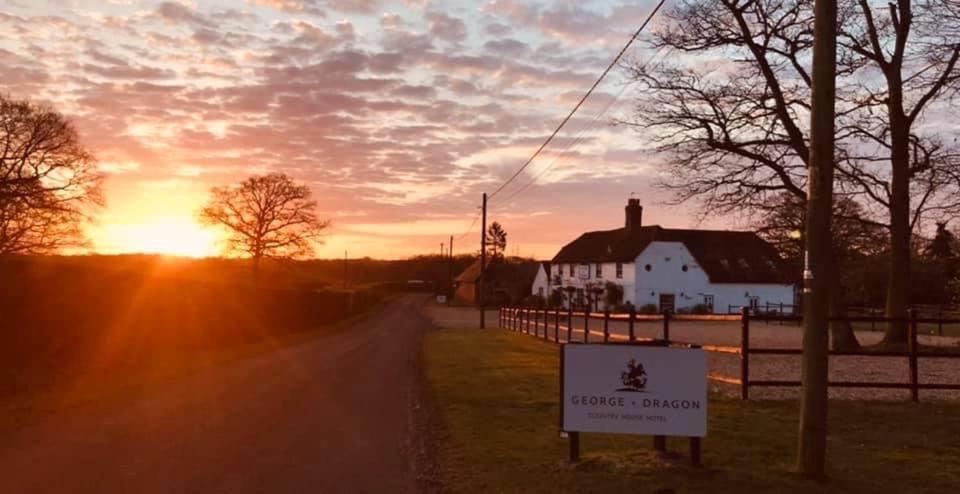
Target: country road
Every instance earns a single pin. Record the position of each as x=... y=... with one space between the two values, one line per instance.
x=333 y=414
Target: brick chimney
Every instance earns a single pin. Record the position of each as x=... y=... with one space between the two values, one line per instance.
x=634 y=214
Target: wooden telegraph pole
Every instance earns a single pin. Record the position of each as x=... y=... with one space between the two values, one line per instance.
x=812 y=446
x=450 y=268
x=483 y=264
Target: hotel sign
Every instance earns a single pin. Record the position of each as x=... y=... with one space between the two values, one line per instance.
x=634 y=389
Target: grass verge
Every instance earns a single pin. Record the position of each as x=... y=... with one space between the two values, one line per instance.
x=496 y=393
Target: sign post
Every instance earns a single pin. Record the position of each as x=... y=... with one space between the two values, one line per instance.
x=648 y=388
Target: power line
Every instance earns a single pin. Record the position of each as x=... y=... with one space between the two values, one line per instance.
x=582 y=100
x=470 y=229
x=580 y=135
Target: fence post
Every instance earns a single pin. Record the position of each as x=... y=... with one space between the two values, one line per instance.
x=781 y=314
x=606 y=326
x=528 y=320
x=633 y=319
x=546 y=324
x=536 y=322
x=744 y=353
x=556 y=325
x=912 y=348
x=666 y=325
x=940 y=320
x=586 y=325
x=570 y=324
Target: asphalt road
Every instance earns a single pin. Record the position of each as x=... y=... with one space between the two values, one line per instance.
x=333 y=414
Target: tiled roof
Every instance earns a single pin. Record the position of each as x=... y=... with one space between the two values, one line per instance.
x=522 y=271
x=726 y=256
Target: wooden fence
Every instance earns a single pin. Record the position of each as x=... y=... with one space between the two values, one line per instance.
x=558 y=326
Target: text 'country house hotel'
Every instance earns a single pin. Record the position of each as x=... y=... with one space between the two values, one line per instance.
x=669 y=268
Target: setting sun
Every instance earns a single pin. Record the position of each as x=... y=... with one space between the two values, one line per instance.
x=175 y=237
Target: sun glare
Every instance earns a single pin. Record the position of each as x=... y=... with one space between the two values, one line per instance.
x=175 y=238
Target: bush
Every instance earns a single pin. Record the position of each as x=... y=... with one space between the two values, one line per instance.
x=556 y=298
x=613 y=294
x=623 y=308
x=701 y=309
x=648 y=309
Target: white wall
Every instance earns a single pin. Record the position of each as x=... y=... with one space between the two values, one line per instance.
x=666 y=275
x=541 y=284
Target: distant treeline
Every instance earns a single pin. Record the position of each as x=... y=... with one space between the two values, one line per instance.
x=301 y=274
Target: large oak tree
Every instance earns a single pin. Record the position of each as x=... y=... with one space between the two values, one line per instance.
x=268 y=216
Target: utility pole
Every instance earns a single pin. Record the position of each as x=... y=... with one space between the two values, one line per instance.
x=346 y=270
x=450 y=267
x=441 y=250
x=483 y=264
x=812 y=446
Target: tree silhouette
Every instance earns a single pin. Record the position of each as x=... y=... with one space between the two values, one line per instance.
x=267 y=216
x=497 y=239
x=49 y=184
x=943 y=247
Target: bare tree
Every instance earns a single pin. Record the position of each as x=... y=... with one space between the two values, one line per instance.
x=49 y=184
x=738 y=133
x=267 y=216
x=912 y=47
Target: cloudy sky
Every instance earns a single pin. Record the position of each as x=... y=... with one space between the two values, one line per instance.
x=397 y=114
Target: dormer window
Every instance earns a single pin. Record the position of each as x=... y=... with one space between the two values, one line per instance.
x=599 y=270
x=619 y=270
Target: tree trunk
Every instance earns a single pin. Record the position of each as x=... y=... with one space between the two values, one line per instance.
x=842 y=336
x=256 y=269
x=898 y=279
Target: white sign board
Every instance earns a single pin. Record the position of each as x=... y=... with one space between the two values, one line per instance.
x=583 y=272
x=632 y=389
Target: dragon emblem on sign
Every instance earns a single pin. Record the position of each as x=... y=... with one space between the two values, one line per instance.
x=634 y=378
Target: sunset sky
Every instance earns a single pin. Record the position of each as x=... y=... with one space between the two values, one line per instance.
x=397 y=114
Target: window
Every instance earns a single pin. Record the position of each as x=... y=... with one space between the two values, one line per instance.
x=599 y=270
x=540 y=292
x=708 y=301
x=619 y=270
x=648 y=267
x=684 y=268
x=571 y=270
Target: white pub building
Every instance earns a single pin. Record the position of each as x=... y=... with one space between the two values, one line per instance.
x=669 y=268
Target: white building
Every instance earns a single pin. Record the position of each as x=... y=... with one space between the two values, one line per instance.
x=669 y=268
